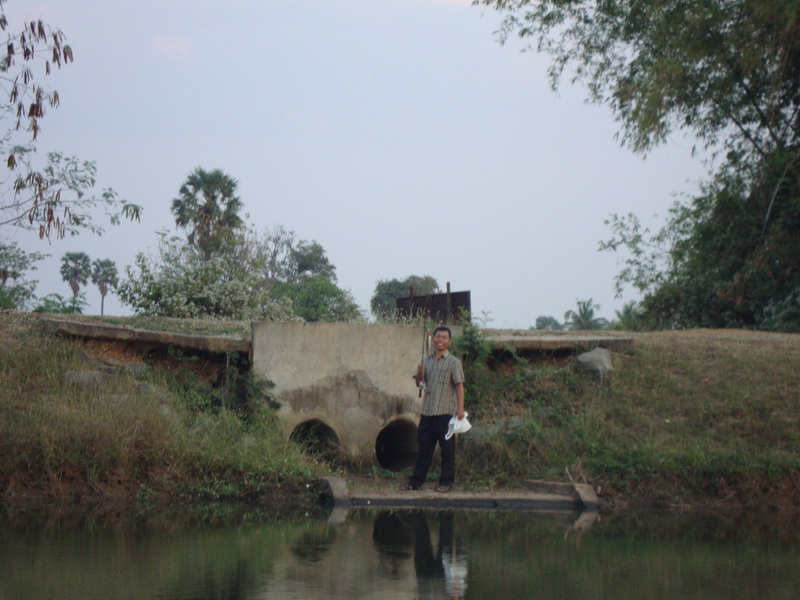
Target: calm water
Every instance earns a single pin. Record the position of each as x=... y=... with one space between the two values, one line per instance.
x=401 y=554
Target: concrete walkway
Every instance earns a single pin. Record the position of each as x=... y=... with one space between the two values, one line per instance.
x=534 y=495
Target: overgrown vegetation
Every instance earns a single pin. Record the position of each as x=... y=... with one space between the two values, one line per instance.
x=159 y=435
x=688 y=417
x=226 y=269
x=694 y=416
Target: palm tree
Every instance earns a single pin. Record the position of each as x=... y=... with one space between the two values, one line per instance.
x=208 y=208
x=627 y=317
x=584 y=318
x=104 y=274
x=75 y=270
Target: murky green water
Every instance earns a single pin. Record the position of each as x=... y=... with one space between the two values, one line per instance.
x=402 y=554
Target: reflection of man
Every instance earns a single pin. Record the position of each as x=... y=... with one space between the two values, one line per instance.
x=443 y=377
x=441 y=573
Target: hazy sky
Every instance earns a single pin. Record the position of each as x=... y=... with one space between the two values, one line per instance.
x=397 y=133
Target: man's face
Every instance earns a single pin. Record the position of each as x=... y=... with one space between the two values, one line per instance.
x=441 y=341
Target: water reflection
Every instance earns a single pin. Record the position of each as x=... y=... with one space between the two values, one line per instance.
x=393 y=554
x=441 y=573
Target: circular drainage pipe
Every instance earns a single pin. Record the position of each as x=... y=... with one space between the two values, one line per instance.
x=396 y=446
x=317 y=438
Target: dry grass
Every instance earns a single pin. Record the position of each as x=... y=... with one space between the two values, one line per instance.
x=687 y=415
x=133 y=433
x=732 y=391
x=713 y=415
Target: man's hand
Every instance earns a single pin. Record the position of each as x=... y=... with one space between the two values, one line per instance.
x=420 y=378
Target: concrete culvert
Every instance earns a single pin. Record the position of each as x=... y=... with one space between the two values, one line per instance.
x=396 y=447
x=317 y=439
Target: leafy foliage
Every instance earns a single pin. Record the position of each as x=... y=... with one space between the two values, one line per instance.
x=248 y=278
x=547 y=323
x=387 y=291
x=56 y=303
x=227 y=270
x=628 y=317
x=57 y=200
x=716 y=263
x=472 y=346
x=727 y=70
x=729 y=73
x=584 y=318
x=54 y=199
x=317 y=298
x=180 y=282
x=16 y=291
x=309 y=258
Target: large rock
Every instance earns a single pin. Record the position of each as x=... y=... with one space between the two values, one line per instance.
x=89 y=380
x=597 y=362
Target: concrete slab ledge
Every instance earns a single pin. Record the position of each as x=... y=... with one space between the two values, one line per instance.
x=117 y=333
x=534 y=495
x=527 y=341
x=450 y=501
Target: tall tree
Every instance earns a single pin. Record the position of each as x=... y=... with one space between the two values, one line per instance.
x=627 y=317
x=208 y=209
x=583 y=318
x=57 y=200
x=725 y=69
x=547 y=323
x=728 y=72
x=75 y=270
x=104 y=274
x=310 y=258
x=318 y=298
x=250 y=277
x=387 y=291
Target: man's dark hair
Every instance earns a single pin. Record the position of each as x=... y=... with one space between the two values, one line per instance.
x=443 y=328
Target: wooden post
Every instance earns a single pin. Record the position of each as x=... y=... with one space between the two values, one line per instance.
x=449 y=305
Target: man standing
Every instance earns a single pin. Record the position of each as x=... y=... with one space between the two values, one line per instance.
x=444 y=397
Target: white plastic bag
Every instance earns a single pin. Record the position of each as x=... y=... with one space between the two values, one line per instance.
x=458 y=426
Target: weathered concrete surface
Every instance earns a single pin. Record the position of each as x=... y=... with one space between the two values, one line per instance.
x=121 y=333
x=533 y=495
x=354 y=378
x=565 y=341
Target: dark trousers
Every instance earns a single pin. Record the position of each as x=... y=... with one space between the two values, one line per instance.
x=432 y=430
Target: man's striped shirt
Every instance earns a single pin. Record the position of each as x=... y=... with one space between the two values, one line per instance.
x=441 y=377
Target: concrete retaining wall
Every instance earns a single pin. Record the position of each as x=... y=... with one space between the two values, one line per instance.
x=354 y=378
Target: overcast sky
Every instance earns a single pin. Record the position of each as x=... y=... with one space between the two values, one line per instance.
x=397 y=133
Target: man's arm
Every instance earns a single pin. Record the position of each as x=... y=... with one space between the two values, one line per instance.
x=460 y=399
